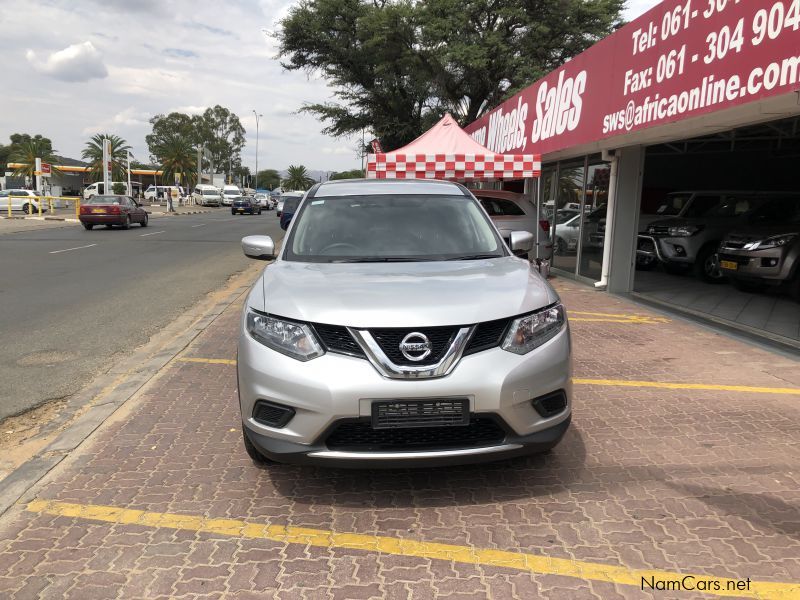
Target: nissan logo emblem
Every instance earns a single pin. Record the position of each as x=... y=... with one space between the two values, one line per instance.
x=416 y=346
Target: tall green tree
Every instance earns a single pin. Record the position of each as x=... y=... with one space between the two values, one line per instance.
x=93 y=154
x=353 y=174
x=269 y=179
x=397 y=65
x=25 y=149
x=177 y=158
x=218 y=129
x=297 y=178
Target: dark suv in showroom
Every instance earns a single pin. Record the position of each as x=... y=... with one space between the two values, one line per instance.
x=767 y=251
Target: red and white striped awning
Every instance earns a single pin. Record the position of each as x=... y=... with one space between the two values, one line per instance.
x=465 y=167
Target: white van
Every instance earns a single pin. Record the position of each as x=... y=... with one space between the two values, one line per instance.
x=229 y=194
x=206 y=195
x=157 y=192
x=97 y=189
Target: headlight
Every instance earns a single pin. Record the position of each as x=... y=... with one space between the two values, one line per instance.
x=289 y=338
x=532 y=331
x=771 y=242
x=684 y=230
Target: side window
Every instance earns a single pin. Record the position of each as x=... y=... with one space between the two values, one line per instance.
x=490 y=207
x=507 y=208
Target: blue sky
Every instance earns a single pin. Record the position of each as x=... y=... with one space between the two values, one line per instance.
x=73 y=68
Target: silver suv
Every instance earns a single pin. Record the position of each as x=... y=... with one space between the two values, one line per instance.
x=396 y=328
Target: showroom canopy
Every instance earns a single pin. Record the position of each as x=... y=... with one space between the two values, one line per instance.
x=446 y=152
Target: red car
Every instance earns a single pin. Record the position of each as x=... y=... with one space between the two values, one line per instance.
x=112 y=210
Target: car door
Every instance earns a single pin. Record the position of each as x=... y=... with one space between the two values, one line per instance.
x=137 y=212
x=19 y=198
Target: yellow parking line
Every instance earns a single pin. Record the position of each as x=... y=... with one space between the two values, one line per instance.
x=614 y=317
x=532 y=563
x=687 y=386
x=210 y=361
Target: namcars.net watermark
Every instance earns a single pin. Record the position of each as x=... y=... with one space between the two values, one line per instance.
x=692 y=583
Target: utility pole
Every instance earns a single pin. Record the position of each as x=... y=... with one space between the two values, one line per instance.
x=130 y=190
x=258 y=116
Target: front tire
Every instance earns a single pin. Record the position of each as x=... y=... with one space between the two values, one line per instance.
x=706 y=265
x=252 y=451
x=27 y=209
x=145 y=220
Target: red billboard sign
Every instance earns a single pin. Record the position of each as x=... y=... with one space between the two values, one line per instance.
x=681 y=59
x=46 y=170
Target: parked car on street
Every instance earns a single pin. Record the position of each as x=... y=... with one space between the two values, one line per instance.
x=283 y=197
x=691 y=240
x=289 y=208
x=245 y=204
x=396 y=328
x=510 y=211
x=206 y=195
x=26 y=201
x=767 y=251
x=112 y=210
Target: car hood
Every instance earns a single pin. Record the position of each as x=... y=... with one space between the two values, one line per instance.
x=424 y=294
x=752 y=234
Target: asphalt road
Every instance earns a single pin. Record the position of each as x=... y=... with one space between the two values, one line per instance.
x=71 y=300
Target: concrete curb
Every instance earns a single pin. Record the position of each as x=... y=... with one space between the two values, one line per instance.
x=108 y=392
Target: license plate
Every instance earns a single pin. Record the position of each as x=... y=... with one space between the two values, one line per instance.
x=728 y=264
x=433 y=412
x=98 y=210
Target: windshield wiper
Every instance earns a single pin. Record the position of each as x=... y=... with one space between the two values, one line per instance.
x=475 y=256
x=380 y=259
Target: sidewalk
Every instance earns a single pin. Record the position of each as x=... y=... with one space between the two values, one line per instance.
x=683 y=459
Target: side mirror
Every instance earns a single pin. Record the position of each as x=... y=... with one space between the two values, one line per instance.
x=260 y=247
x=521 y=240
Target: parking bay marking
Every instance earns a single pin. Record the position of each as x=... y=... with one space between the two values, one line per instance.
x=152 y=233
x=687 y=386
x=71 y=249
x=605 y=382
x=532 y=563
x=615 y=318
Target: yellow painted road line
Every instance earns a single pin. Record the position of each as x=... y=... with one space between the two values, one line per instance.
x=614 y=317
x=210 y=361
x=687 y=386
x=532 y=563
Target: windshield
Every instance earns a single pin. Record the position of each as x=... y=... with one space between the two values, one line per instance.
x=291 y=205
x=733 y=206
x=673 y=204
x=779 y=210
x=103 y=200
x=391 y=228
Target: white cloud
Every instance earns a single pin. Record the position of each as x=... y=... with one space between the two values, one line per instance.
x=341 y=150
x=79 y=62
x=128 y=118
x=188 y=109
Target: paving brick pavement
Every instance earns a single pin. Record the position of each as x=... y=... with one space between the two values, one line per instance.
x=684 y=481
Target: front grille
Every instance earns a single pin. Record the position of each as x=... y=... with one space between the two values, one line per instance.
x=338 y=339
x=359 y=436
x=487 y=335
x=734 y=244
x=389 y=340
x=658 y=230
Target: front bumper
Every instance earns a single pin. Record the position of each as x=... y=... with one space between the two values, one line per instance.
x=678 y=250
x=335 y=388
x=767 y=266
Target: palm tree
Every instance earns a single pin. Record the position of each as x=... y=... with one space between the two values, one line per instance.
x=177 y=157
x=119 y=156
x=25 y=153
x=297 y=178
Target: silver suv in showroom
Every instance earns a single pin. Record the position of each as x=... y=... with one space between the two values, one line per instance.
x=396 y=328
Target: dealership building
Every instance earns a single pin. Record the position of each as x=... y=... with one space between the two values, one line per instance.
x=660 y=142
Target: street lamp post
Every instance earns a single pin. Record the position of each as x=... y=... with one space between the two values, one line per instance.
x=257 y=119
